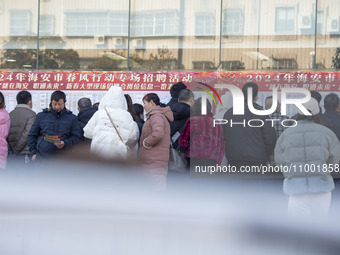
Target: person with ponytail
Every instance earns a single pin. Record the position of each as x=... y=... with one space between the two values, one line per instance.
x=4 y=129
x=155 y=140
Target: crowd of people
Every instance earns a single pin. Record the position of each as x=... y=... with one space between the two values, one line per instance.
x=118 y=129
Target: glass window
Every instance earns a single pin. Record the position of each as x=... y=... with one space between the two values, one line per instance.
x=86 y=24
x=203 y=65
x=328 y=36
x=285 y=19
x=18 y=38
x=275 y=35
x=154 y=24
x=320 y=22
x=46 y=25
x=20 y=23
x=232 y=65
x=233 y=22
x=118 y=23
x=87 y=35
x=285 y=64
x=204 y=24
x=174 y=35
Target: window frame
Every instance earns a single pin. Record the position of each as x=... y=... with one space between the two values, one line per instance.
x=226 y=14
x=211 y=28
x=285 y=31
x=26 y=24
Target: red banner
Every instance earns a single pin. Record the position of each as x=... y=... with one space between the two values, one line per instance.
x=162 y=81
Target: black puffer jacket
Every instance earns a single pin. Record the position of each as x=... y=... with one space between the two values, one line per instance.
x=181 y=112
x=83 y=117
x=172 y=102
x=248 y=145
x=334 y=117
x=50 y=122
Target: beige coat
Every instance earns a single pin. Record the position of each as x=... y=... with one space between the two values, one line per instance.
x=155 y=140
x=22 y=119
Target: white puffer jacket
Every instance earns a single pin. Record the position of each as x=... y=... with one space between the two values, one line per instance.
x=105 y=140
x=306 y=150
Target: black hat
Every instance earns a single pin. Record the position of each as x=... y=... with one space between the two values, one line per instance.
x=176 y=88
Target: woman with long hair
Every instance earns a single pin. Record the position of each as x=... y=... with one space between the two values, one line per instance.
x=4 y=129
x=133 y=143
x=130 y=107
x=308 y=151
x=155 y=140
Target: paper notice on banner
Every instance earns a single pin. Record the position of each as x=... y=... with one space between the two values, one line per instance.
x=52 y=138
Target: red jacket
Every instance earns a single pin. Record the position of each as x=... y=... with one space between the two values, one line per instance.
x=202 y=140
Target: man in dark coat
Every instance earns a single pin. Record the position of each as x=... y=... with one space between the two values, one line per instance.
x=54 y=129
x=181 y=112
x=85 y=114
x=332 y=107
x=246 y=145
x=174 y=92
x=325 y=121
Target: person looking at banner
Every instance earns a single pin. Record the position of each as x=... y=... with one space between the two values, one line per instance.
x=54 y=129
x=22 y=119
x=86 y=111
x=246 y=145
x=174 y=92
x=181 y=112
x=4 y=129
x=332 y=109
x=112 y=128
x=309 y=151
x=203 y=142
x=139 y=110
x=133 y=143
x=155 y=141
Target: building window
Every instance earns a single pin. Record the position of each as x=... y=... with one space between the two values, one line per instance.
x=118 y=24
x=99 y=23
x=320 y=22
x=203 y=65
x=46 y=26
x=285 y=19
x=204 y=24
x=20 y=23
x=86 y=24
x=232 y=65
x=233 y=22
x=156 y=24
x=285 y=64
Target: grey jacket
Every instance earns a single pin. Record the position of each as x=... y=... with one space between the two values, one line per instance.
x=22 y=119
x=304 y=150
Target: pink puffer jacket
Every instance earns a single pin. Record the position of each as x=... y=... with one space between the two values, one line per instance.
x=155 y=140
x=4 y=129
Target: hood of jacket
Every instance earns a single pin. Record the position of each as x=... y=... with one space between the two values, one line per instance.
x=114 y=98
x=4 y=116
x=166 y=111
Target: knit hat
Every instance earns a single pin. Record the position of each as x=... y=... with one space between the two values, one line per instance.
x=312 y=106
x=176 y=88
